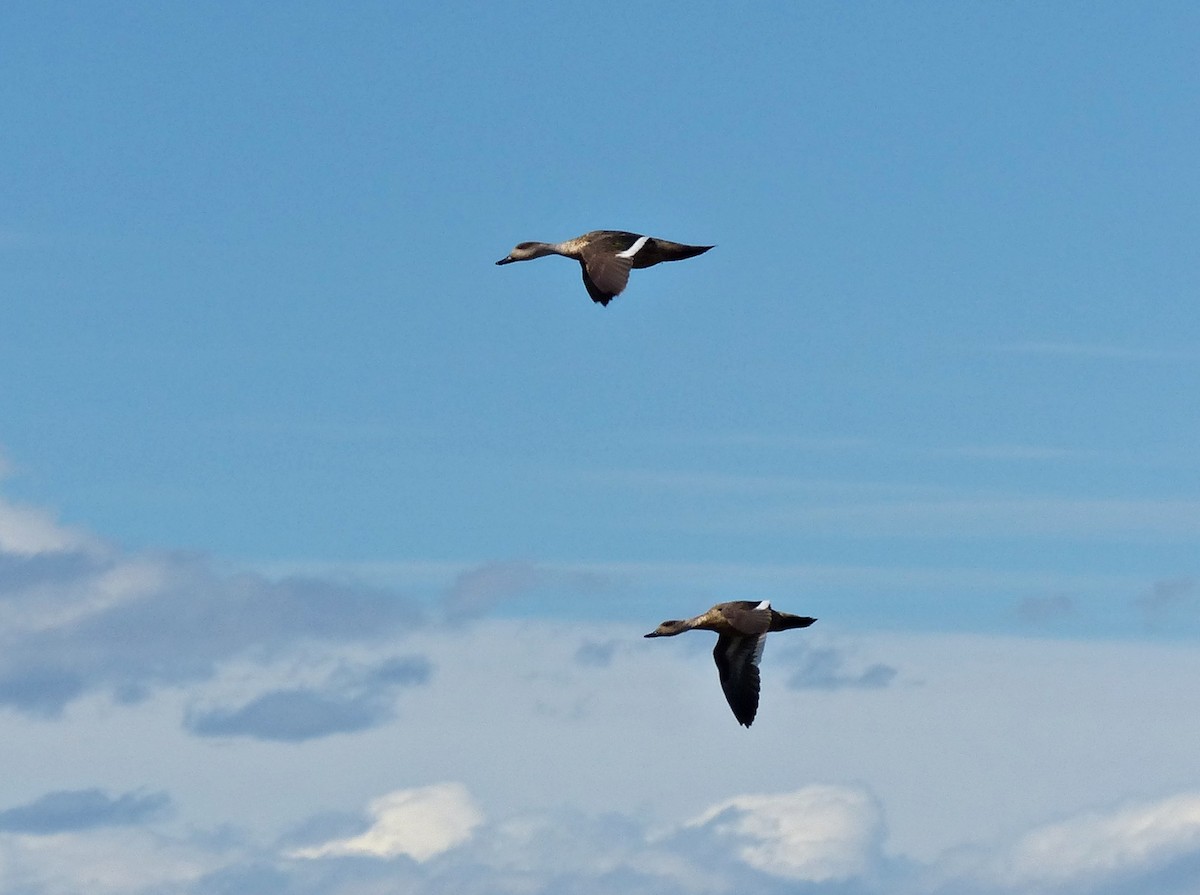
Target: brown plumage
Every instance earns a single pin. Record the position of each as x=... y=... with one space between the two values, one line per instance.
x=742 y=627
x=607 y=256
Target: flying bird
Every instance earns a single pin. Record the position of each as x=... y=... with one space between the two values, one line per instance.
x=607 y=256
x=742 y=628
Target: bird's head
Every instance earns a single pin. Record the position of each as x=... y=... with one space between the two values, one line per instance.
x=526 y=250
x=669 y=628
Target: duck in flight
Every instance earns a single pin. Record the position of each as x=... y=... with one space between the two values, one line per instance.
x=742 y=628
x=607 y=256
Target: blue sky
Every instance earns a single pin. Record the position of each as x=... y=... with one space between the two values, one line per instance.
x=303 y=499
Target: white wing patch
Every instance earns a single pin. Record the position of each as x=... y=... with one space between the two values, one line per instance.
x=765 y=604
x=634 y=249
x=758 y=648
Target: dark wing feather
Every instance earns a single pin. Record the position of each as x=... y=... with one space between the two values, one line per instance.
x=745 y=617
x=597 y=296
x=737 y=665
x=606 y=274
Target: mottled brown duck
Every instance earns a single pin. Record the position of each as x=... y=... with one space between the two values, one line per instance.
x=607 y=256
x=742 y=627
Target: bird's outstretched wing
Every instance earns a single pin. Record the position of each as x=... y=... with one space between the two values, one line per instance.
x=737 y=659
x=605 y=277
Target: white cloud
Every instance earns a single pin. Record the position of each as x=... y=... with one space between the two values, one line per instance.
x=82 y=589
x=1094 y=845
x=76 y=617
x=826 y=837
x=420 y=823
x=102 y=862
x=815 y=834
x=29 y=531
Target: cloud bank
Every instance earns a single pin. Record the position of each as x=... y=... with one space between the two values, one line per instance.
x=820 y=839
x=530 y=755
x=78 y=616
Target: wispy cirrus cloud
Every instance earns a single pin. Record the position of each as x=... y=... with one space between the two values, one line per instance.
x=1095 y=351
x=984 y=515
x=479 y=589
x=742 y=503
x=1017 y=452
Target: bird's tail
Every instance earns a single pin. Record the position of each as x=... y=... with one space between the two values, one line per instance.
x=785 y=621
x=662 y=250
x=678 y=252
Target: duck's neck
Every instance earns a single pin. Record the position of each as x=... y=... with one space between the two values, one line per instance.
x=542 y=249
x=572 y=248
x=708 y=621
